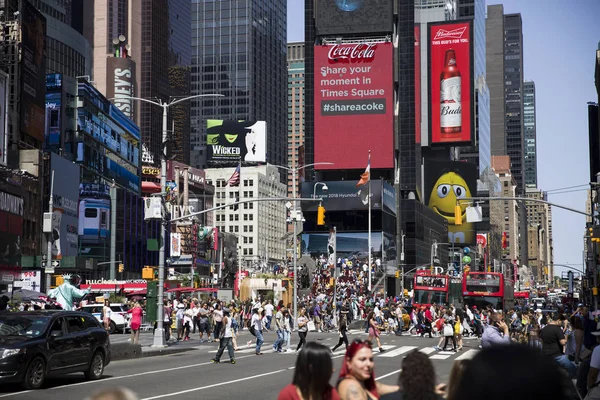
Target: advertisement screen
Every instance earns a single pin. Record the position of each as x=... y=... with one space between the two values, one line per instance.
x=120 y=80
x=450 y=83
x=445 y=183
x=11 y=229
x=3 y=116
x=53 y=112
x=353 y=16
x=417 y=84
x=33 y=70
x=352 y=245
x=65 y=223
x=354 y=105
x=235 y=141
x=342 y=196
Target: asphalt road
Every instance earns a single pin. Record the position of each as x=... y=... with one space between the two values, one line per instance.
x=190 y=375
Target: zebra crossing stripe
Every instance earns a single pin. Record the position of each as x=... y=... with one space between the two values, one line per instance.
x=397 y=352
x=467 y=355
x=427 y=350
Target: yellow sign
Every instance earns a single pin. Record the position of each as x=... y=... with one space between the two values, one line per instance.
x=147 y=170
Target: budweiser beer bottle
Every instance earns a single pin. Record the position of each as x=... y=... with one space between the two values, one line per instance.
x=450 y=99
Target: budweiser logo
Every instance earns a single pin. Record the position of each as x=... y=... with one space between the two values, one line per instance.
x=453 y=34
x=364 y=51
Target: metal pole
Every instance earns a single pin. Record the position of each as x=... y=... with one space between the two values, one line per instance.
x=113 y=231
x=295 y=255
x=159 y=333
x=220 y=257
x=369 y=239
x=239 y=258
x=335 y=275
x=50 y=235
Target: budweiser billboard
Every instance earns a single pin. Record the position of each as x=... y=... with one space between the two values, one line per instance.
x=353 y=99
x=450 y=83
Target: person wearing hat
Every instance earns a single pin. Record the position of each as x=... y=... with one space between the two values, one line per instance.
x=226 y=336
x=553 y=341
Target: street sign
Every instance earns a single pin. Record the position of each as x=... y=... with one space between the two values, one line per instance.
x=18 y=284
x=7 y=278
x=49 y=270
x=54 y=264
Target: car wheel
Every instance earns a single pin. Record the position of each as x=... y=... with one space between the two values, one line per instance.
x=35 y=374
x=96 y=367
x=112 y=327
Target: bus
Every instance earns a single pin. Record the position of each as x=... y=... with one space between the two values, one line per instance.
x=432 y=288
x=488 y=289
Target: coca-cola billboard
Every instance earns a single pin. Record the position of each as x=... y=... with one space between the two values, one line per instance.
x=450 y=83
x=353 y=97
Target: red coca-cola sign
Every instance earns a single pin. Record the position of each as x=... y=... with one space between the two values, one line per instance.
x=352 y=52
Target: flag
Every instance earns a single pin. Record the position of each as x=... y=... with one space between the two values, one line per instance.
x=235 y=178
x=365 y=176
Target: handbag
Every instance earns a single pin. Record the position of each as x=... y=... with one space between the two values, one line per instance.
x=311 y=326
x=448 y=331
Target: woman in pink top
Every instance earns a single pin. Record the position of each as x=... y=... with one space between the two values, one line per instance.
x=136 y=321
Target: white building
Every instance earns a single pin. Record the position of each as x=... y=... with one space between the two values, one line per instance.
x=260 y=226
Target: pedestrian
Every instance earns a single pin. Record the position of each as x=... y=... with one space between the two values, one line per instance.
x=218 y=318
x=287 y=330
x=312 y=374
x=496 y=332
x=136 y=321
x=106 y=314
x=179 y=320
x=374 y=330
x=269 y=314
x=553 y=342
x=302 y=328
x=343 y=326
x=256 y=330
x=203 y=322
x=416 y=380
x=279 y=330
x=225 y=339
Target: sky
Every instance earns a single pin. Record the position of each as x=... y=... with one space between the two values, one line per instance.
x=560 y=39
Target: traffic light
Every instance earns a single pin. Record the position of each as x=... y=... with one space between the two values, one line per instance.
x=147 y=273
x=321 y=215
x=457 y=215
x=121 y=267
x=397 y=274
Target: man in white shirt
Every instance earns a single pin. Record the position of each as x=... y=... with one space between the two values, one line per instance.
x=279 y=330
x=256 y=323
x=269 y=314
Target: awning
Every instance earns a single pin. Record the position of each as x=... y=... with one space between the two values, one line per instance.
x=150 y=187
x=127 y=288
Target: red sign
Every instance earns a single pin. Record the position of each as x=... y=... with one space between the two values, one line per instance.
x=417 y=84
x=354 y=105
x=450 y=83
x=482 y=239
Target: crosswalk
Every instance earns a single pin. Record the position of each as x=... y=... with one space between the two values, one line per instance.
x=391 y=351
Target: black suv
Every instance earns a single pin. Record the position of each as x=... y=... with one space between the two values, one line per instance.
x=37 y=344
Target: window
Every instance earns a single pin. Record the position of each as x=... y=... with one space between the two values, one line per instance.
x=251 y=217
x=245 y=228
x=90 y=322
x=75 y=324
x=245 y=240
x=237 y=229
x=250 y=252
x=245 y=217
x=230 y=217
x=232 y=195
x=251 y=182
x=250 y=228
x=245 y=182
x=91 y=212
x=245 y=252
x=250 y=240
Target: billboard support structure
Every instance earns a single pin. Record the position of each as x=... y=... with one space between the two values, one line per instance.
x=49 y=269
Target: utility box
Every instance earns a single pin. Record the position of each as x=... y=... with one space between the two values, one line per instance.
x=151 y=301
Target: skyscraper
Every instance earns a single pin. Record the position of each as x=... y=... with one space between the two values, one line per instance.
x=513 y=83
x=157 y=36
x=495 y=77
x=530 y=172
x=239 y=50
x=295 y=110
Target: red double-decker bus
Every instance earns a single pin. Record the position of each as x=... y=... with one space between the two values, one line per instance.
x=483 y=289
x=432 y=288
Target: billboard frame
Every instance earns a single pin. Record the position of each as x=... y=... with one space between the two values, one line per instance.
x=471 y=80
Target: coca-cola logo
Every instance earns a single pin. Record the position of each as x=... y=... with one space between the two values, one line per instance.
x=351 y=52
x=453 y=34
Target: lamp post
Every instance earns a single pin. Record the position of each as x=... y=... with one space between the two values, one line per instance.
x=159 y=334
x=293 y=210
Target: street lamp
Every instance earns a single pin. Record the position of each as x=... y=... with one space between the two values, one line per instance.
x=294 y=171
x=159 y=336
x=325 y=188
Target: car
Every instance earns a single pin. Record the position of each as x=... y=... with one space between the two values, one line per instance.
x=35 y=345
x=119 y=318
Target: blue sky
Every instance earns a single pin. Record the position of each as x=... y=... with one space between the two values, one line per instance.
x=560 y=40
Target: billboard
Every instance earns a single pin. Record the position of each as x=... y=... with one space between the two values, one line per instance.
x=33 y=71
x=353 y=100
x=120 y=83
x=450 y=83
x=65 y=223
x=342 y=196
x=4 y=89
x=445 y=183
x=335 y=17
x=236 y=141
x=417 y=84
x=11 y=229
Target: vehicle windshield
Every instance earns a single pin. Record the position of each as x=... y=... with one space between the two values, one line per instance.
x=483 y=302
x=429 y=297
x=23 y=325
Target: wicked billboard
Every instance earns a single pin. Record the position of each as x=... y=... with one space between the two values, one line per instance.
x=445 y=183
x=236 y=141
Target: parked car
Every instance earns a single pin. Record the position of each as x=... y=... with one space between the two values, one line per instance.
x=119 y=318
x=39 y=344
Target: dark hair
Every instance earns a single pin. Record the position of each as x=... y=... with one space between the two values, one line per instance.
x=523 y=370
x=456 y=375
x=576 y=322
x=417 y=378
x=313 y=371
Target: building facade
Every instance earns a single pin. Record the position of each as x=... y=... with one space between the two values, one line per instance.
x=510 y=212
x=530 y=170
x=296 y=99
x=539 y=219
x=494 y=28
x=259 y=226
x=239 y=51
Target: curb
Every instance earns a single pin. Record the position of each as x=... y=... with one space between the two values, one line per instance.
x=166 y=351
x=125 y=351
